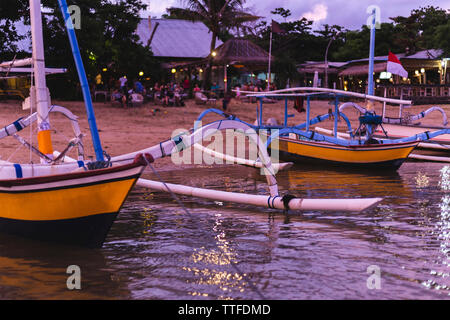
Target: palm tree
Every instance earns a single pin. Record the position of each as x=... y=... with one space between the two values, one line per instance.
x=218 y=15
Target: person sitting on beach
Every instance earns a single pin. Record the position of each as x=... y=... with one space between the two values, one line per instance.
x=119 y=97
x=138 y=87
x=186 y=84
x=177 y=95
x=225 y=101
x=197 y=89
x=164 y=95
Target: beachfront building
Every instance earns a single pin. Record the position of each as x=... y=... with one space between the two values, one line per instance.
x=428 y=78
x=235 y=62
x=240 y=61
x=179 y=44
x=314 y=73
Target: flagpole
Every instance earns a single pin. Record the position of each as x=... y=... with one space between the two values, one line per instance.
x=371 y=54
x=270 y=58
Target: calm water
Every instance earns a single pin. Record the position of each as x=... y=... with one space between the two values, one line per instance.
x=157 y=251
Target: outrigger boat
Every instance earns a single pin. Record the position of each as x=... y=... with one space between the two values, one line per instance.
x=76 y=201
x=360 y=148
x=372 y=129
x=302 y=143
x=435 y=149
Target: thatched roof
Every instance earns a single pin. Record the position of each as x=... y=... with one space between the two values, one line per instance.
x=241 y=51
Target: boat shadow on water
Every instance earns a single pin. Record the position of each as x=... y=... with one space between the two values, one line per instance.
x=32 y=269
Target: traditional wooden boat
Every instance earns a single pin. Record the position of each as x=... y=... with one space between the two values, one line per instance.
x=299 y=143
x=63 y=204
x=436 y=148
x=372 y=156
x=72 y=208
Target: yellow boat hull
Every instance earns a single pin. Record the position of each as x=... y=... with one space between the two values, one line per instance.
x=75 y=208
x=376 y=155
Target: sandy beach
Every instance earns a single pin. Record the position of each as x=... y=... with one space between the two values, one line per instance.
x=126 y=130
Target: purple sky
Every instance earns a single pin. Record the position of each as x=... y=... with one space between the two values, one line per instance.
x=348 y=13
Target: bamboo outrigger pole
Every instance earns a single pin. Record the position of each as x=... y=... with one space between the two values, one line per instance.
x=83 y=80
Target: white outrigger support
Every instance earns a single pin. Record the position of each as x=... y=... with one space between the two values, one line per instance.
x=276 y=93
x=245 y=162
x=179 y=143
x=274 y=200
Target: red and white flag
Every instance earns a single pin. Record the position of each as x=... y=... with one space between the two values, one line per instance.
x=395 y=67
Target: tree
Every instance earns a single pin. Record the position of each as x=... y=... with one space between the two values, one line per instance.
x=9 y=16
x=417 y=31
x=220 y=16
x=442 y=38
x=107 y=41
x=282 y=12
x=355 y=43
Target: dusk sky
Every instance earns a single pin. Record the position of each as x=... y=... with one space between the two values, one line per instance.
x=348 y=13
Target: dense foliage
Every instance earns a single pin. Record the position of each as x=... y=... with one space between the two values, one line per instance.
x=107 y=41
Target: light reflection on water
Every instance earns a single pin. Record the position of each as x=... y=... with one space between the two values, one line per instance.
x=156 y=251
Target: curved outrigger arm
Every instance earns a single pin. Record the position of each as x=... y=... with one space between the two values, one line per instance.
x=406 y=120
x=22 y=123
x=423 y=114
x=301 y=126
x=324 y=117
x=185 y=140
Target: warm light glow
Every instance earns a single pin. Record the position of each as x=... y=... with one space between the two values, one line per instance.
x=422 y=70
x=174 y=70
x=417 y=72
x=225 y=80
x=213 y=53
x=201 y=70
x=141 y=73
x=105 y=69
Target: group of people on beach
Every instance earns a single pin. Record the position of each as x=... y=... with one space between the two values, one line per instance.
x=174 y=93
x=171 y=94
x=125 y=91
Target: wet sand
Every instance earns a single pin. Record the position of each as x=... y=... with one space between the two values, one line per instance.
x=126 y=130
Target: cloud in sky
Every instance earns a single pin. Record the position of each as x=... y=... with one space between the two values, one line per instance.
x=318 y=12
x=348 y=13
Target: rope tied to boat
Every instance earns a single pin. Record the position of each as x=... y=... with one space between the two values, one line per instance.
x=286 y=199
x=100 y=164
